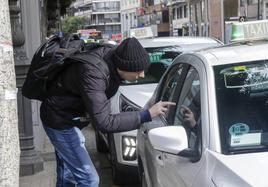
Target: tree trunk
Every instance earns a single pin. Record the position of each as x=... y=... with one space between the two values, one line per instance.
x=9 y=137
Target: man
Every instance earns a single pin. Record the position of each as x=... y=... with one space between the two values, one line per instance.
x=87 y=87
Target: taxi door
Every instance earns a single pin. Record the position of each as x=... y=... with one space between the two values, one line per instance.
x=182 y=171
x=177 y=170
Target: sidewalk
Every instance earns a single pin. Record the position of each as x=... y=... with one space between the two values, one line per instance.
x=47 y=177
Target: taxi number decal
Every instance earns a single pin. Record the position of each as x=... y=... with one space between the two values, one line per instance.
x=249 y=139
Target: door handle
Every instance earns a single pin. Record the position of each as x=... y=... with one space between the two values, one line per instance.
x=159 y=159
x=144 y=131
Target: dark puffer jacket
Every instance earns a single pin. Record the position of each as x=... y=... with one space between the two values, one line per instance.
x=88 y=88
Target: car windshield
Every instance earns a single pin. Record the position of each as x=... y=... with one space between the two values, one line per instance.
x=242 y=105
x=160 y=59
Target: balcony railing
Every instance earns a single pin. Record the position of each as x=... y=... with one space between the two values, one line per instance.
x=104 y=22
x=106 y=9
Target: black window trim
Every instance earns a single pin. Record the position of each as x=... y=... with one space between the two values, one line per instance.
x=178 y=88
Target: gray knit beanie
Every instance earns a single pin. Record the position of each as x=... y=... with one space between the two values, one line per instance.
x=131 y=56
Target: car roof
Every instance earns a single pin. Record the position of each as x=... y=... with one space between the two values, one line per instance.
x=171 y=41
x=242 y=52
x=183 y=44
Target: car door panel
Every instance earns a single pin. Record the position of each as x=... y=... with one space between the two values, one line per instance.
x=177 y=170
x=153 y=160
x=180 y=171
x=154 y=165
x=150 y=164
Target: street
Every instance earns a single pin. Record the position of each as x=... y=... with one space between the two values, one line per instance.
x=47 y=177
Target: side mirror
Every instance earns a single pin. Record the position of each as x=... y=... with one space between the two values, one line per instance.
x=170 y=139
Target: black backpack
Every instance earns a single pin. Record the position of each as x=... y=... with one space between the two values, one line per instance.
x=48 y=61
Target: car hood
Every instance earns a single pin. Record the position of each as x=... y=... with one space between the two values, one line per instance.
x=138 y=94
x=244 y=169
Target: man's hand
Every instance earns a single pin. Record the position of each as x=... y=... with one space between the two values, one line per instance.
x=188 y=116
x=160 y=108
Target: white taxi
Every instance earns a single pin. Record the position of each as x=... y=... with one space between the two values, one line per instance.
x=217 y=134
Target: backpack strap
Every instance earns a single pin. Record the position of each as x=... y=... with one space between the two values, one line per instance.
x=91 y=58
x=87 y=57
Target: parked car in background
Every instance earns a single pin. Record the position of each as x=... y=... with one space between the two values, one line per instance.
x=132 y=96
x=90 y=35
x=217 y=134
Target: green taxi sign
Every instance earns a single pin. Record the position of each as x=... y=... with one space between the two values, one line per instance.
x=251 y=30
x=155 y=57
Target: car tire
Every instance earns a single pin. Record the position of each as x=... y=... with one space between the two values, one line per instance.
x=117 y=175
x=100 y=143
x=122 y=177
x=119 y=178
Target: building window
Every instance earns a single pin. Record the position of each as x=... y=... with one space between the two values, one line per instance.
x=185 y=10
x=106 y=6
x=242 y=3
x=165 y=16
x=173 y=13
x=179 y=12
x=252 y=2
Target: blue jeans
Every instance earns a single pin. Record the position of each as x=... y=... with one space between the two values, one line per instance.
x=74 y=166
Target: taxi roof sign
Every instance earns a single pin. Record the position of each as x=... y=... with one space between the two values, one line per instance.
x=143 y=32
x=251 y=30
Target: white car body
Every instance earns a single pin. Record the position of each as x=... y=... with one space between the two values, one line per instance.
x=140 y=94
x=160 y=150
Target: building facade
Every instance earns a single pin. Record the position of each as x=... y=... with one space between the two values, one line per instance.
x=154 y=13
x=129 y=19
x=102 y=15
x=265 y=9
x=199 y=11
x=242 y=10
x=179 y=17
x=213 y=17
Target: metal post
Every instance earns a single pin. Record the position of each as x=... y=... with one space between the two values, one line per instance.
x=222 y=21
x=258 y=10
x=190 y=18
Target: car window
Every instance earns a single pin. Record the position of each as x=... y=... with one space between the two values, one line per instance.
x=242 y=106
x=160 y=59
x=170 y=84
x=188 y=109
